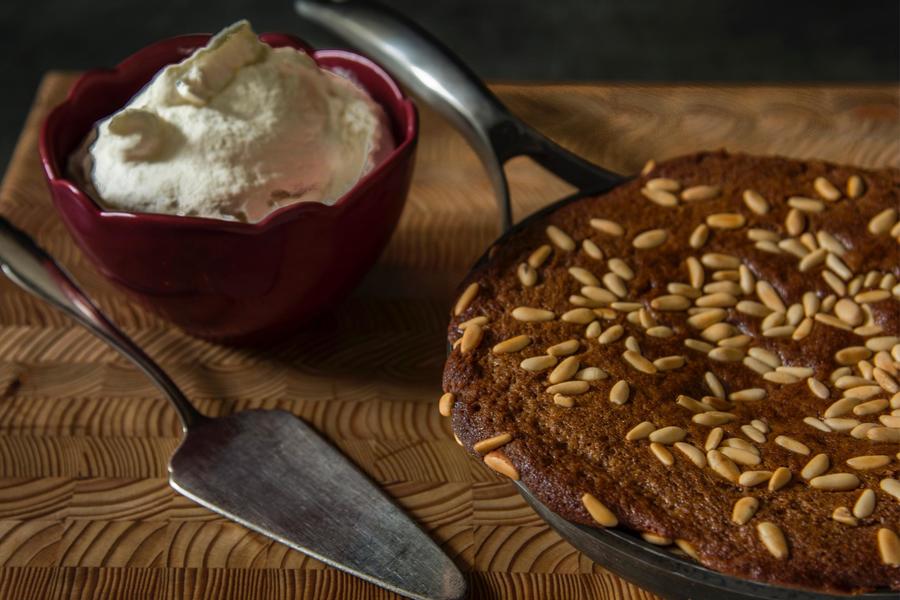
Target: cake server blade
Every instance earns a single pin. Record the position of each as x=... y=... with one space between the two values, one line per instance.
x=272 y=473
x=265 y=469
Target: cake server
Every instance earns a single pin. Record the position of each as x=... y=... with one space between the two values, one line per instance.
x=434 y=74
x=265 y=469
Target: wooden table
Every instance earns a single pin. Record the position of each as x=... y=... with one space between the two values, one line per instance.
x=85 y=509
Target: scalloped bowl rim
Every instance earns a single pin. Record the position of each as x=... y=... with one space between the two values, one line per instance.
x=55 y=120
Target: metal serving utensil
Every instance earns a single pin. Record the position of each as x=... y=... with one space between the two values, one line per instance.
x=440 y=79
x=434 y=74
x=265 y=469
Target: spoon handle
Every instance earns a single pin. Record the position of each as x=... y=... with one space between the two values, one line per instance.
x=32 y=269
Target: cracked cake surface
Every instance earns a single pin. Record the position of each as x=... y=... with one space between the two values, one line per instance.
x=707 y=355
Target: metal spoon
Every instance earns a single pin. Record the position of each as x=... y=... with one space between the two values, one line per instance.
x=265 y=469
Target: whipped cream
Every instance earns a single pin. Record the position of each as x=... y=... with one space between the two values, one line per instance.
x=233 y=132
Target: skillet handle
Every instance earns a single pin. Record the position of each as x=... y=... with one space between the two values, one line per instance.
x=433 y=73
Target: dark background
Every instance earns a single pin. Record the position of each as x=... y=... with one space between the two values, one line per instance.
x=590 y=40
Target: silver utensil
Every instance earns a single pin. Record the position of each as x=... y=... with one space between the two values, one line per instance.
x=440 y=79
x=265 y=469
x=434 y=74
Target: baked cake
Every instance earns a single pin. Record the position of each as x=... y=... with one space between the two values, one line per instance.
x=707 y=355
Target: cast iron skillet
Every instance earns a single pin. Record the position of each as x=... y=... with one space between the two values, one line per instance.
x=434 y=74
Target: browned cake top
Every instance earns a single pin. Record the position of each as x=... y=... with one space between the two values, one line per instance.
x=708 y=355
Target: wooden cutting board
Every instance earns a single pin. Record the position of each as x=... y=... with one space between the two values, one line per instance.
x=85 y=510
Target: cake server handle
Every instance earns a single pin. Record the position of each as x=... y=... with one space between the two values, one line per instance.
x=35 y=271
x=433 y=73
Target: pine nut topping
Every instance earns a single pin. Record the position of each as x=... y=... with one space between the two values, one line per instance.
x=780 y=478
x=883 y=221
x=713 y=439
x=713 y=418
x=479 y=320
x=648 y=167
x=581 y=316
x=865 y=504
x=663 y=183
x=526 y=274
x=591 y=374
x=560 y=238
x=492 y=443
x=770 y=297
x=583 y=276
x=564 y=401
x=699 y=236
x=471 y=337
x=563 y=348
x=744 y=509
x=639 y=362
x=598 y=511
x=723 y=466
x=611 y=335
x=852 y=355
x=741 y=456
x=707 y=318
x=872 y=296
x=789 y=443
x=569 y=388
x=620 y=268
x=668 y=363
x=694 y=454
x=826 y=189
x=500 y=463
x=773 y=539
x=465 y=299
x=445 y=404
x=660 y=196
x=640 y=431
x=615 y=284
x=842 y=514
x=538 y=363
x=835 y=482
x=891 y=486
x=662 y=454
x=660 y=331
x=749 y=394
x=795 y=222
x=592 y=249
x=668 y=435
x=608 y=227
x=754 y=478
x=816 y=466
x=670 y=302
x=726 y=354
x=889 y=547
x=714 y=260
x=539 y=256
x=871 y=461
x=619 y=392
x=564 y=370
x=855 y=186
x=700 y=192
x=756 y=202
x=726 y=220
x=808 y=205
x=513 y=344
x=818 y=388
x=529 y=314
x=650 y=239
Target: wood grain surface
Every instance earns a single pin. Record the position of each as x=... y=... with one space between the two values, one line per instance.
x=85 y=510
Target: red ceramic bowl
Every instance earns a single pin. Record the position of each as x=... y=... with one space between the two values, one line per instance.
x=220 y=280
